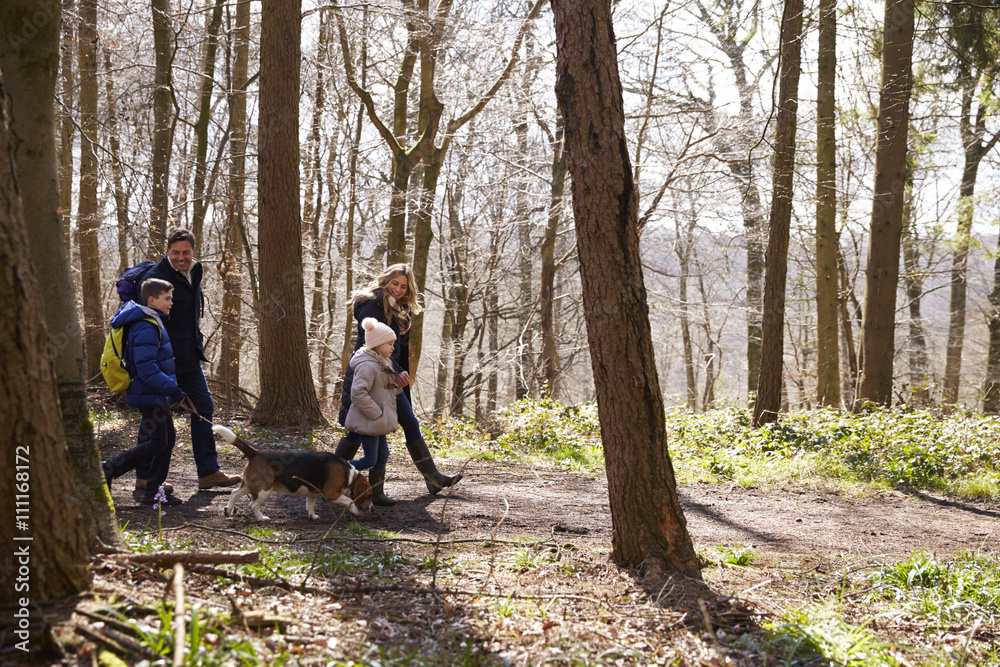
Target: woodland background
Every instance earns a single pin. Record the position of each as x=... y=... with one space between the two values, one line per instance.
x=169 y=95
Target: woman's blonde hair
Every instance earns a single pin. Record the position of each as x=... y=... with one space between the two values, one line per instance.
x=410 y=300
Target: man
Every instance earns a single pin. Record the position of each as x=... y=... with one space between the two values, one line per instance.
x=184 y=272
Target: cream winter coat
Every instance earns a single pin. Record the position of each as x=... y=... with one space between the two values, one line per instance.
x=373 y=395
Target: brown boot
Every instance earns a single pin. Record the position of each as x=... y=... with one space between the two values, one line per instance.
x=217 y=478
x=422 y=458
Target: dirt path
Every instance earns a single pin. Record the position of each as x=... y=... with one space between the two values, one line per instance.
x=517 y=500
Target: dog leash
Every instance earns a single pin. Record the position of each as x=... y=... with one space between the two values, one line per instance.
x=189 y=406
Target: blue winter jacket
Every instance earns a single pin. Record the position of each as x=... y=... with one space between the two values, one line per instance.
x=148 y=357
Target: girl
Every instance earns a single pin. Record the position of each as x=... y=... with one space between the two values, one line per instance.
x=372 y=414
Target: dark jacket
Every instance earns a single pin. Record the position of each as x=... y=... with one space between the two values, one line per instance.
x=184 y=325
x=149 y=358
x=400 y=351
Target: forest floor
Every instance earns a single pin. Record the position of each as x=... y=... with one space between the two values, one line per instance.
x=513 y=569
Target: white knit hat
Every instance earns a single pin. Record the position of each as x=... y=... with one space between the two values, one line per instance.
x=376 y=333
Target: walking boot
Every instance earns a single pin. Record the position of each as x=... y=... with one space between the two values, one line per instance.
x=434 y=480
x=377 y=479
x=347 y=449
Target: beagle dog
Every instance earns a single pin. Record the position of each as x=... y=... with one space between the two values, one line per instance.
x=309 y=474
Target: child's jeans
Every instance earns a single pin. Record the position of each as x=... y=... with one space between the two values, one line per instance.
x=376 y=449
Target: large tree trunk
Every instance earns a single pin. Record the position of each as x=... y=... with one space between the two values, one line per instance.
x=88 y=218
x=163 y=132
x=768 y=402
x=46 y=548
x=879 y=320
x=29 y=69
x=201 y=125
x=827 y=279
x=287 y=396
x=234 y=247
x=648 y=526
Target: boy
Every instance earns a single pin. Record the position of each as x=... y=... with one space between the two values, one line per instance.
x=372 y=414
x=153 y=389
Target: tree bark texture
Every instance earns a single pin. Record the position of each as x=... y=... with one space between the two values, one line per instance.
x=288 y=396
x=29 y=62
x=88 y=218
x=648 y=526
x=882 y=269
x=827 y=278
x=42 y=527
x=768 y=403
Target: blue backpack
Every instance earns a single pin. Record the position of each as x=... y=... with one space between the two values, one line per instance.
x=130 y=280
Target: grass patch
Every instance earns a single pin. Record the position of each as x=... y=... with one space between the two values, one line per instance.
x=817 y=635
x=528 y=431
x=964 y=591
x=890 y=448
x=282 y=561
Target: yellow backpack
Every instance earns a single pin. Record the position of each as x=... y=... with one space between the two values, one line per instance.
x=113 y=358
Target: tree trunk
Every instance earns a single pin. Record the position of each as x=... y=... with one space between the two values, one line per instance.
x=88 y=218
x=42 y=527
x=768 y=402
x=234 y=248
x=352 y=213
x=29 y=65
x=201 y=124
x=879 y=322
x=547 y=290
x=163 y=132
x=67 y=124
x=287 y=396
x=682 y=248
x=913 y=285
x=991 y=388
x=741 y=165
x=827 y=278
x=648 y=526
x=972 y=134
x=121 y=201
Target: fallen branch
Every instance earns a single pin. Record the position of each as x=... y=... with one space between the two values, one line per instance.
x=120 y=644
x=169 y=558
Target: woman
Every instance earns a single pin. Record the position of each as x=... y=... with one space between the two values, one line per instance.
x=392 y=299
